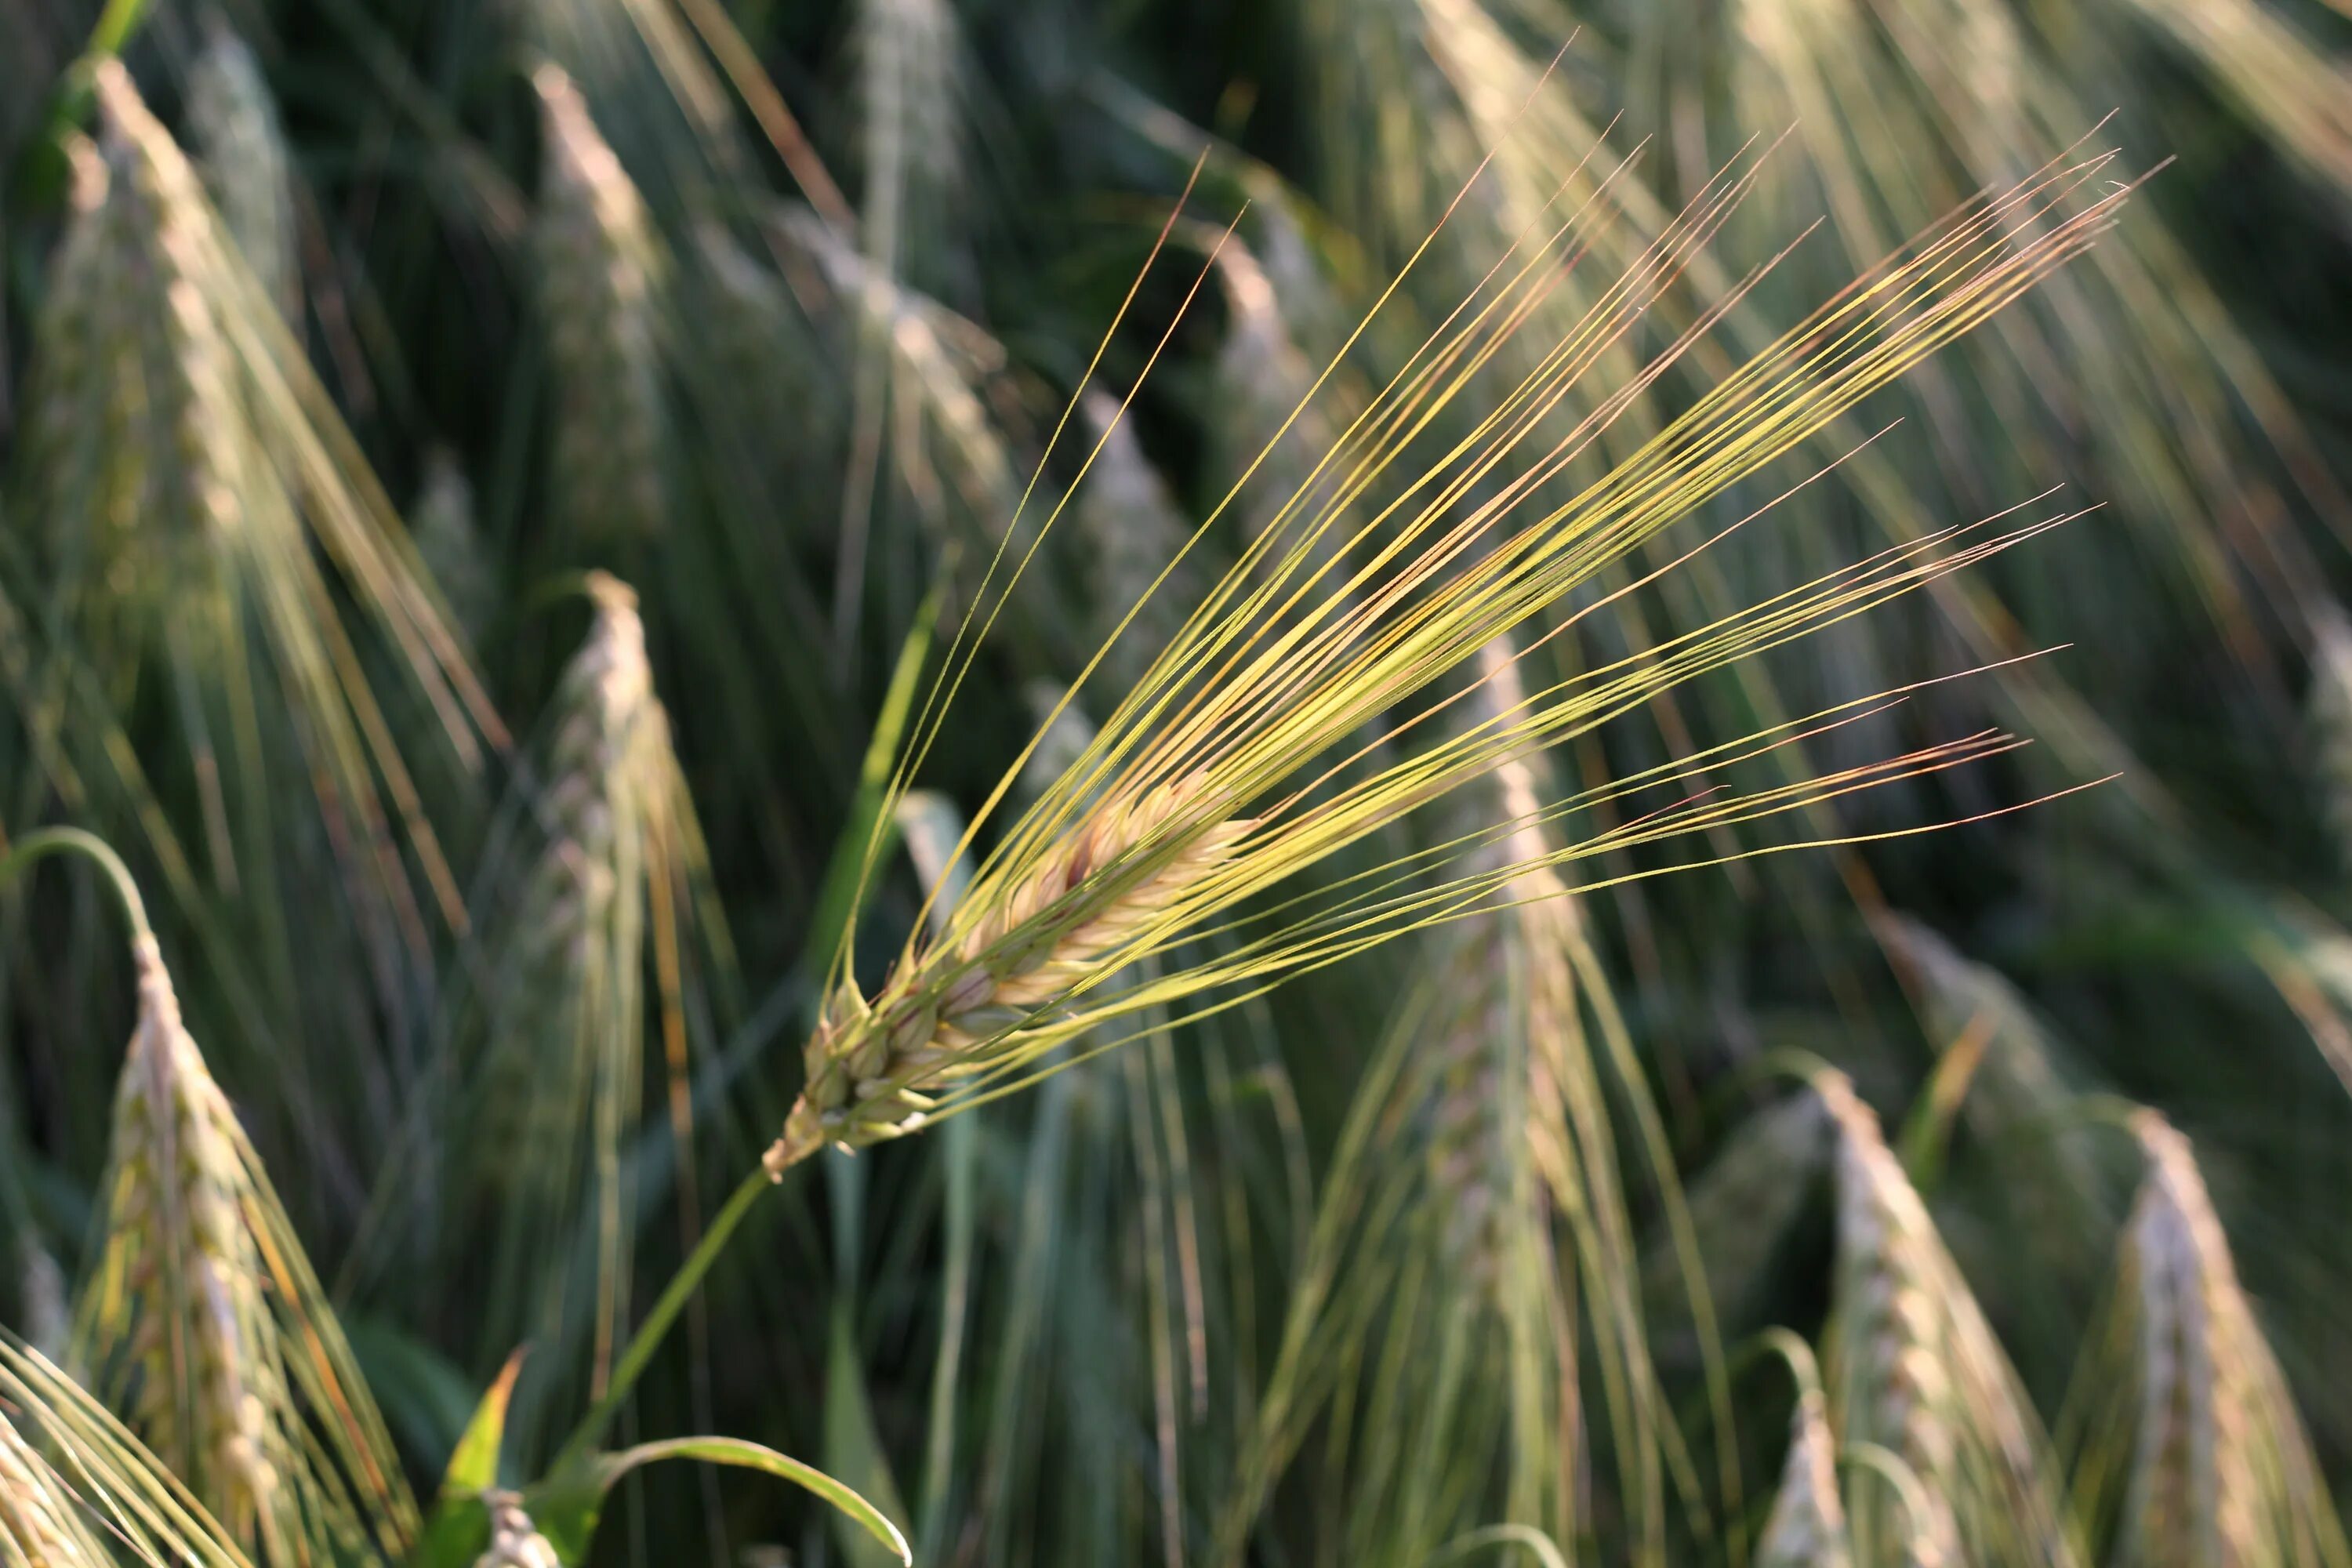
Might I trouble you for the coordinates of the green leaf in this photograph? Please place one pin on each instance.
(851, 1443)
(459, 1529)
(565, 1506)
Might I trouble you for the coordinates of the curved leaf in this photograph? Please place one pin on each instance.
(565, 1505)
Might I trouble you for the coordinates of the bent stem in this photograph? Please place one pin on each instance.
(47, 841)
(650, 1333)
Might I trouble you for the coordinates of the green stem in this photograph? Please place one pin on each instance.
(649, 1334)
(47, 841)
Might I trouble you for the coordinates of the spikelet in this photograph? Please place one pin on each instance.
(1806, 1528)
(601, 272)
(2221, 1475)
(872, 1065)
(204, 1325)
(1510, 1042)
(515, 1541)
(41, 1525)
(550, 1034)
(138, 440)
(242, 150)
(441, 520)
(1471, 1171)
(1916, 1370)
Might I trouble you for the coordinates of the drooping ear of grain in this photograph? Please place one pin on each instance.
(1806, 1528)
(241, 147)
(205, 1327)
(1915, 1370)
(601, 273)
(202, 524)
(1480, 1232)
(2220, 1471)
(1111, 878)
(607, 844)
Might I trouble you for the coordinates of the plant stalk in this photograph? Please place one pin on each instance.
(44, 842)
(650, 1333)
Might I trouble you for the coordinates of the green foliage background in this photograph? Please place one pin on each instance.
(784, 360)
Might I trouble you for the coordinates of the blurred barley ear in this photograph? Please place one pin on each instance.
(2212, 1460)
(1806, 1526)
(241, 147)
(611, 853)
(1915, 1371)
(1142, 579)
(600, 275)
(202, 1323)
(515, 1541)
(199, 518)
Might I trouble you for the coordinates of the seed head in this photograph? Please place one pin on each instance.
(872, 1065)
(600, 279)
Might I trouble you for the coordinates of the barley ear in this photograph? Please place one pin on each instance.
(601, 272)
(1915, 1370)
(985, 996)
(205, 1326)
(241, 148)
(1806, 1528)
(558, 1088)
(2220, 1471)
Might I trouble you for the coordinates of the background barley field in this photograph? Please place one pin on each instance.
(507, 520)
